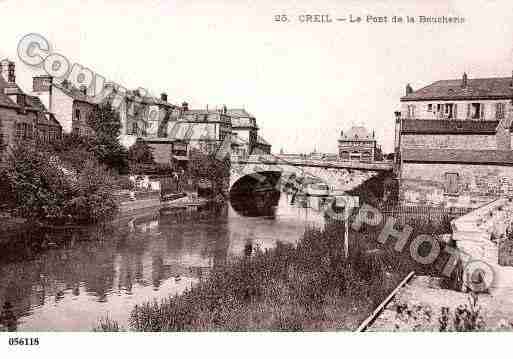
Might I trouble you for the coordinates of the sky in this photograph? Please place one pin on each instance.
(304, 82)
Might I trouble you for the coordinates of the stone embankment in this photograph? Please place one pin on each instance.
(477, 236)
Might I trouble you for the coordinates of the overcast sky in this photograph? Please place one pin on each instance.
(303, 82)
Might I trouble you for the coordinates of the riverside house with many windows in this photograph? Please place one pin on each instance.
(22, 117)
(71, 106)
(453, 142)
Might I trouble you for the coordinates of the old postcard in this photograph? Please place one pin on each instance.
(271, 166)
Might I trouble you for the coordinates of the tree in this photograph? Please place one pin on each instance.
(106, 124)
(140, 152)
(207, 166)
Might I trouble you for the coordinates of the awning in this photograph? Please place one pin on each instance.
(181, 158)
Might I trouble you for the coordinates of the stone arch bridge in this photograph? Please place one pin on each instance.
(255, 171)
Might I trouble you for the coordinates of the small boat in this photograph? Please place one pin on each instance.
(318, 189)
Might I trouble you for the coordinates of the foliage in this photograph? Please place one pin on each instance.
(59, 191)
(465, 318)
(106, 124)
(310, 286)
(140, 152)
(208, 167)
(106, 324)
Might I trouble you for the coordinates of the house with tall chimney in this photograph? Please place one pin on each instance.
(23, 118)
(453, 142)
(71, 106)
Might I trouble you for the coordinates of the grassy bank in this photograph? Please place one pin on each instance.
(310, 286)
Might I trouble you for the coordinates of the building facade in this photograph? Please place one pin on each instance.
(245, 130)
(453, 142)
(358, 144)
(72, 107)
(22, 117)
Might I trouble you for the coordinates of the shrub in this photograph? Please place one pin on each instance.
(51, 190)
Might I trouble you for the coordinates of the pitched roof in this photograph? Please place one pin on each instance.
(496, 157)
(241, 118)
(356, 133)
(239, 112)
(485, 88)
(262, 141)
(32, 102)
(448, 127)
(76, 94)
(4, 99)
(204, 116)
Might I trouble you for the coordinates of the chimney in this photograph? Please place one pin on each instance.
(185, 106)
(409, 89)
(163, 96)
(464, 82)
(7, 69)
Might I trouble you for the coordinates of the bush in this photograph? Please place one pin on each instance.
(52, 190)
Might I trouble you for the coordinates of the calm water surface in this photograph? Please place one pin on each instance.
(69, 280)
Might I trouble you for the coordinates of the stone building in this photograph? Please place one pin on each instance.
(262, 147)
(71, 106)
(358, 144)
(22, 117)
(453, 142)
(244, 127)
(145, 117)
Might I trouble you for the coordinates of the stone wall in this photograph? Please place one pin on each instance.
(426, 183)
(476, 235)
(466, 142)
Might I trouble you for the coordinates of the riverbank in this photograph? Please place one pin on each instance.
(418, 306)
(310, 286)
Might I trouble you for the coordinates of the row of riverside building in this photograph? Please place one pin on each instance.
(453, 142)
(55, 107)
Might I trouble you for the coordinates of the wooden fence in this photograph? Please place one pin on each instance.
(407, 214)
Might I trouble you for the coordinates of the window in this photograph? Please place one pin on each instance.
(451, 183)
(411, 111)
(23, 131)
(475, 111)
(500, 110)
(450, 110)
(77, 114)
(430, 107)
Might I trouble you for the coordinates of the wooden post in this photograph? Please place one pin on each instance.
(346, 231)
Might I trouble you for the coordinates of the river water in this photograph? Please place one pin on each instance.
(67, 281)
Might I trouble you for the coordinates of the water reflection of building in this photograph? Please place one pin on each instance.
(117, 263)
